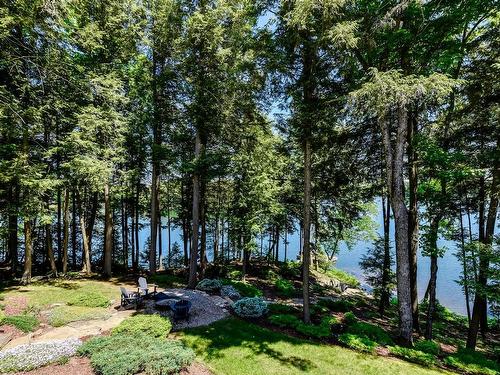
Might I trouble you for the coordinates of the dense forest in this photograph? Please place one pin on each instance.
(239, 120)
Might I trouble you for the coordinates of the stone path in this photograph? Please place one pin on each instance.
(75, 329)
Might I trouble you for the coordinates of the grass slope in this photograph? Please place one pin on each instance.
(232, 346)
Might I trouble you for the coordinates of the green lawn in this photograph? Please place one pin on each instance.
(236, 347)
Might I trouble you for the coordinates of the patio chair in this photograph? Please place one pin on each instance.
(181, 309)
(144, 287)
(130, 298)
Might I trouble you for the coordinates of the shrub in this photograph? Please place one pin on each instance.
(209, 285)
(284, 320)
(245, 289)
(124, 354)
(151, 325)
(291, 269)
(281, 308)
(25, 322)
(343, 277)
(427, 346)
(339, 305)
(284, 287)
(230, 292)
(235, 274)
(412, 355)
(324, 329)
(472, 362)
(88, 299)
(318, 309)
(62, 315)
(370, 331)
(250, 307)
(350, 318)
(31, 356)
(359, 343)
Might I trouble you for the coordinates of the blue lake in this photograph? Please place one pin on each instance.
(449, 292)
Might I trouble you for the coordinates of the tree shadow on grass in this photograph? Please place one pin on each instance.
(213, 340)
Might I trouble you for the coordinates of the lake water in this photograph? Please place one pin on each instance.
(449, 292)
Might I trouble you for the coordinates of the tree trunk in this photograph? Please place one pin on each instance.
(86, 265)
(65, 232)
(464, 265)
(395, 185)
(13, 228)
(94, 206)
(193, 261)
(73, 230)
(108, 232)
(50, 249)
(385, 294)
(203, 235)
(28, 252)
(480, 302)
(433, 251)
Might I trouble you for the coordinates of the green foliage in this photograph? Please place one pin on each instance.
(281, 308)
(250, 307)
(428, 346)
(344, 277)
(350, 318)
(317, 309)
(472, 362)
(312, 330)
(25, 322)
(414, 355)
(245, 289)
(127, 354)
(153, 325)
(370, 331)
(290, 269)
(62, 315)
(209, 285)
(359, 343)
(88, 299)
(166, 280)
(339, 305)
(285, 320)
(284, 287)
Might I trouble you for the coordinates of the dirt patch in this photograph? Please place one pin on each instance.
(196, 369)
(15, 305)
(11, 331)
(75, 366)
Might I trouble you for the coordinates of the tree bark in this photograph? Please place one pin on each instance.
(13, 228)
(193, 260)
(433, 250)
(86, 265)
(108, 232)
(385, 294)
(65, 232)
(50, 249)
(28, 252)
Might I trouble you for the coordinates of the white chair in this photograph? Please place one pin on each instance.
(144, 287)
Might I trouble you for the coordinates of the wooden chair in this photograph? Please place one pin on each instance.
(130, 298)
(144, 287)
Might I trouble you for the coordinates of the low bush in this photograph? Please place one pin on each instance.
(318, 309)
(209, 285)
(126, 354)
(344, 277)
(88, 299)
(284, 288)
(285, 320)
(230, 292)
(24, 322)
(291, 269)
(250, 307)
(359, 343)
(350, 318)
(31, 356)
(235, 275)
(472, 362)
(281, 308)
(152, 325)
(245, 289)
(62, 315)
(370, 331)
(412, 355)
(338, 305)
(428, 346)
(324, 329)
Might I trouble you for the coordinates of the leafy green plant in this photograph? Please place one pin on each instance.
(25, 322)
(281, 308)
(291, 269)
(343, 277)
(126, 354)
(235, 275)
(153, 325)
(359, 343)
(245, 289)
(350, 318)
(472, 362)
(88, 299)
(340, 305)
(284, 320)
(284, 287)
(427, 346)
(318, 309)
(312, 330)
(250, 307)
(370, 331)
(209, 285)
(415, 356)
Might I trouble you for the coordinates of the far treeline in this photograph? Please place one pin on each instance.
(239, 120)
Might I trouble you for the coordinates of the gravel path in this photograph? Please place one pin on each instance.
(205, 309)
